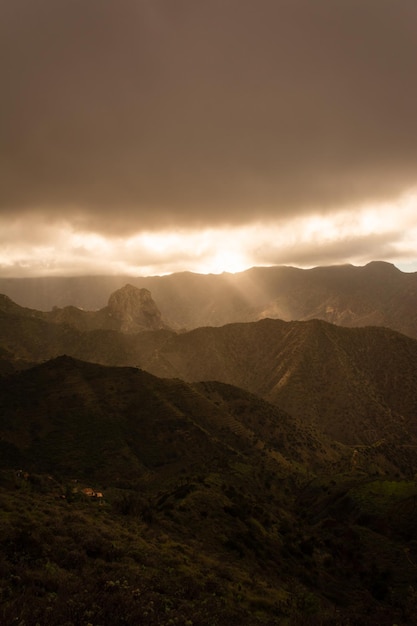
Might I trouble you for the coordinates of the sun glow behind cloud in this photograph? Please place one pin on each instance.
(208, 251)
(283, 130)
(384, 232)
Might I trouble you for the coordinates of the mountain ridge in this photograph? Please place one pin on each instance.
(375, 294)
(122, 420)
(313, 369)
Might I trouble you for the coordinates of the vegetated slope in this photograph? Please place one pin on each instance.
(218, 509)
(358, 385)
(377, 294)
(168, 459)
(80, 418)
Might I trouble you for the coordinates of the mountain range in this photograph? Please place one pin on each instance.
(358, 385)
(248, 470)
(377, 294)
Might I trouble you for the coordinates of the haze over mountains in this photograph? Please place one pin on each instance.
(129, 310)
(376, 294)
(258, 442)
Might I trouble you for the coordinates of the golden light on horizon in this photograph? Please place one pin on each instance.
(384, 231)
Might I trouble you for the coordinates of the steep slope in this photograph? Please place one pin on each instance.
(358, 385)
(134, 310)
(377, 294)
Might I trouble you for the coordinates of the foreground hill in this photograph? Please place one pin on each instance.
(127, 499)
(84, 419)
(377, 294)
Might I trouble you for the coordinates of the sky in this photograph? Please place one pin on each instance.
(147, 137)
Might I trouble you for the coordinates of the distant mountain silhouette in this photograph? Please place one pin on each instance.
(377, 294)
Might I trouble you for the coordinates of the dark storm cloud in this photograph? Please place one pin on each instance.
(144, 113)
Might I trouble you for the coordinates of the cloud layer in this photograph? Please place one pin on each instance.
(129, 116)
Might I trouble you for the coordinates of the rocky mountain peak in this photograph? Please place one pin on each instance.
(135, 309)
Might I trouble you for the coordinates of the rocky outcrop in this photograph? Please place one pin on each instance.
(134, 310)
(129, 310)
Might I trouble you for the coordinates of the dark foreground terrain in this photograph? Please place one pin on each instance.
(130, 499)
